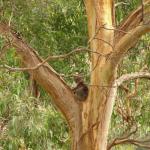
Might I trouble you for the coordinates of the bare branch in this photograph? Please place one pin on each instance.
(125, 88)
(82, 49)
(92, 38)
(122, 139)
(95, 36)
(140, 143)
(132, 76)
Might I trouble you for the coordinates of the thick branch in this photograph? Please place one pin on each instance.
(133, 20)
(137, 24)
(132, 76)
(46, 77)
(127, 41)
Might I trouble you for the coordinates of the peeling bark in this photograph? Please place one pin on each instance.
(88, 121)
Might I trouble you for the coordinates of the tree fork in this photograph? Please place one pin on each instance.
(88, 121)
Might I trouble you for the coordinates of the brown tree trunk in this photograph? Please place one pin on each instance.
(88, 121)
(96, 111)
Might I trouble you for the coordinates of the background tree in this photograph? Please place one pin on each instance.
(88, 121)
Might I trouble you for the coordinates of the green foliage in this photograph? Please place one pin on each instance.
(125, 7)
(135, 59)
(51, 27)
(56, 27)
(26, 121)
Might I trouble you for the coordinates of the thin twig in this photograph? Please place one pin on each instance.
(119, 140)
(119, 30)
(105, 42)
(52, 58)
(96, 64)
(93, 37)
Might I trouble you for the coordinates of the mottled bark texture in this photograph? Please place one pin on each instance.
(89, 120)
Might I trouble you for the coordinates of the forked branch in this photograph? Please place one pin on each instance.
(47, 77)
(128, 41)
(133, 20)
(112, 97)
(137, 24)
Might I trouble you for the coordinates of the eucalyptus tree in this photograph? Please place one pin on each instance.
(89, 120)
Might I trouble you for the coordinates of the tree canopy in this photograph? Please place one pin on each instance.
(58, 27)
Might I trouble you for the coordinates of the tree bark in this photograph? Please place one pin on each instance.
(97, 110)
(88, 121)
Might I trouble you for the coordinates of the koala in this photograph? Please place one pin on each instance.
(81, 90)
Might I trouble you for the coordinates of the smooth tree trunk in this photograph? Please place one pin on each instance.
(96, 111)
(89, 120)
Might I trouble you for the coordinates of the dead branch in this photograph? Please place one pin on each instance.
(127, 112)
(127, 90)
(115, 55)
(118, 82)
(92, 38)
(122, 113)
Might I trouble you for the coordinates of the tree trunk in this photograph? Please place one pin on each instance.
(96, 111)
(89, 120)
